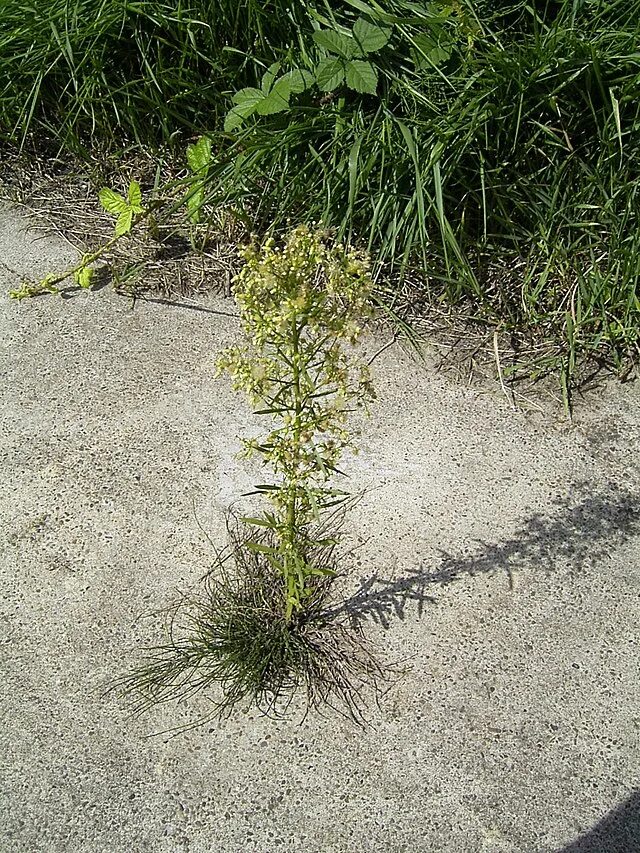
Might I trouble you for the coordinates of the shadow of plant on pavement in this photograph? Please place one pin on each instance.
(576, 531)
(617, 832)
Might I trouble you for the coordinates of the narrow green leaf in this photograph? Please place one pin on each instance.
(326, 572)
(259, 522)
(354, 154)
(277, 565)
(273, 411)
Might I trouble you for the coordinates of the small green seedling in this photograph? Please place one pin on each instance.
(128, 212)
(124, 209)
(199, 161)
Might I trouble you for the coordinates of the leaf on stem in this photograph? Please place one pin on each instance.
(335, 42)
(112, 201)
(124, 222)
(330, 74)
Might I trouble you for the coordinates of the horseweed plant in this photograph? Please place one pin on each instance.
(260, 629)
(299, 304)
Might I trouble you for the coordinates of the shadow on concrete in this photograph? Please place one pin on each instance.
(573, 535)
(618, 832)
(191, 306)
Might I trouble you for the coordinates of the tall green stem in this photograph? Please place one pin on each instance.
(294, 576)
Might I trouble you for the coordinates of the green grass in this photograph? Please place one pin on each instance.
(87, 72)
(231, 642)
(497, 165)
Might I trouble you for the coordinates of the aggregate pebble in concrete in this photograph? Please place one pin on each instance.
(505, 551)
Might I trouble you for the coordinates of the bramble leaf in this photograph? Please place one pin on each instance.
(330, 74)
(362, 77)
(112, 201)
(124, 222)
(248, 95)
(236, 115)
(370, 37)
(269, 76)
(432, 49)
(299, 80)
(277, 100)
(194, 203)
(134, 197)
(84, 277)
(335, 42)
(199, 154)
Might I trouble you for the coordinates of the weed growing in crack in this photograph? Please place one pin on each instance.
(261, 628)
(128, 212)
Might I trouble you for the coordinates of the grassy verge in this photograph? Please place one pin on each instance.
(494, 163)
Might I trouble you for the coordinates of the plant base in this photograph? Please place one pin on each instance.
(232, 639)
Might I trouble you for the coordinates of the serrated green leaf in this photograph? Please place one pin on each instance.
(134, 197)
(84, 277)
(362, 77)
(370, 37)
(123, 223)
(112, 201)
(330, 74)
(277, 100)
(194, 204)
(199, 154)
(269, 76)
(335, 42)
(232, 120)
(248, 95)
(236, 116)
(432, 49)
(300, 80)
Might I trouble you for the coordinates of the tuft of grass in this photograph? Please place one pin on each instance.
(231, 642)
(496, 165)
(147, 71)
(516, 148)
